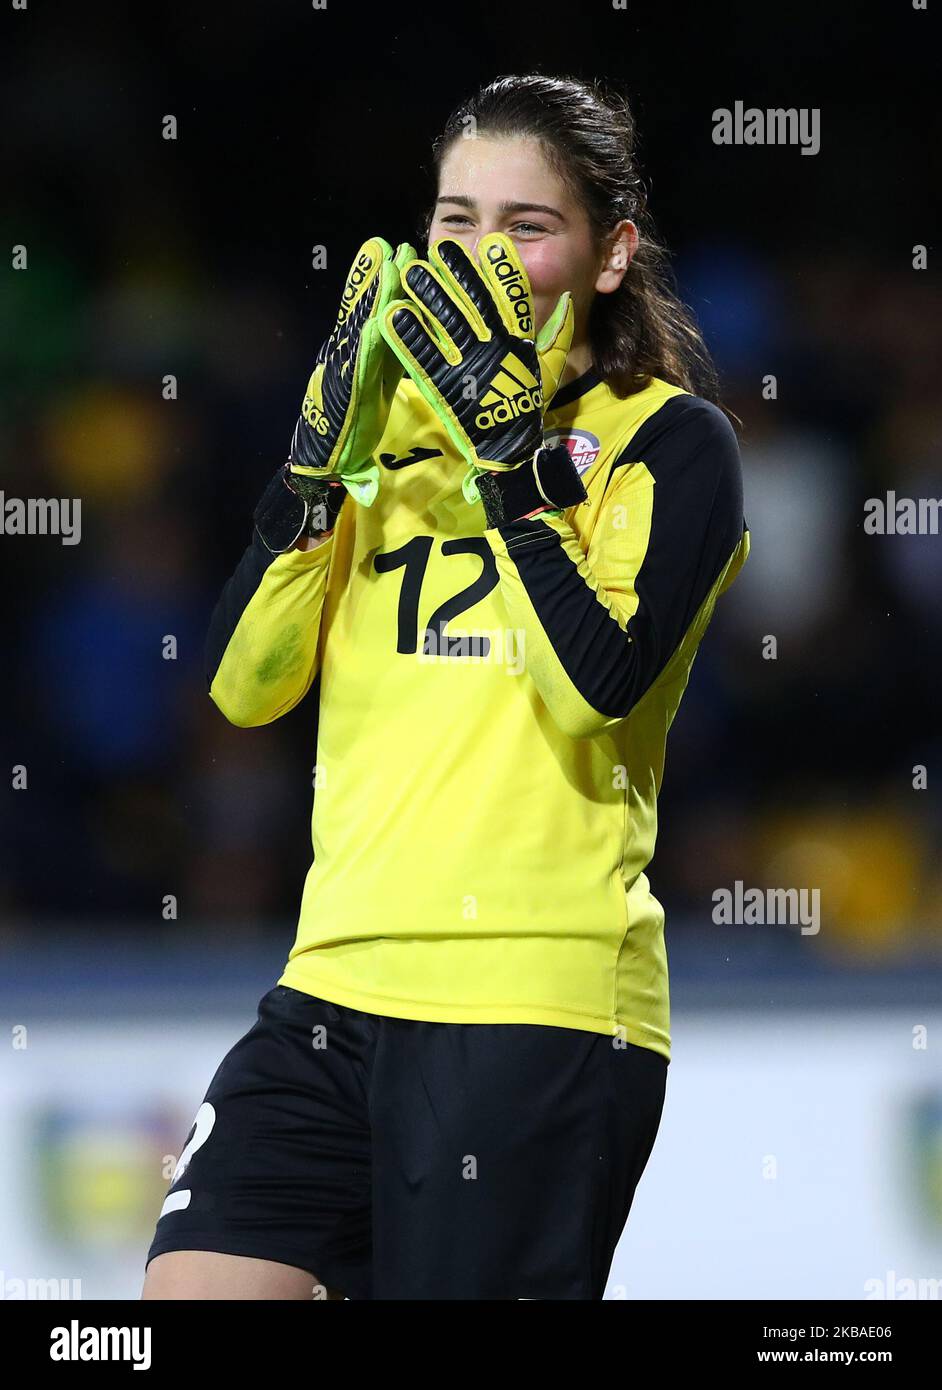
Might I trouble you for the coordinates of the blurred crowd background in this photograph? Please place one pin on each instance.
(191, 257)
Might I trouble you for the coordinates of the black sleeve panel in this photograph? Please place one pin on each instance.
(233, 602)
(690, 449)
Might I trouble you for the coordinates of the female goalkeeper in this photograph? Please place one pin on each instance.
(510, 506)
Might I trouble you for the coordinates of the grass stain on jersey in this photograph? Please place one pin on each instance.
(284, 658)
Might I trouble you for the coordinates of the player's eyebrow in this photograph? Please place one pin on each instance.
(464, 201)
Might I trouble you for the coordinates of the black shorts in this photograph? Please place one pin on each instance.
(398, 1159)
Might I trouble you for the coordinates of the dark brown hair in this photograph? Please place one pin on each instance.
(589, 137)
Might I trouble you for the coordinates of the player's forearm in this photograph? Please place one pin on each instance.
(261, 650)
(578, 651)
(312, 542)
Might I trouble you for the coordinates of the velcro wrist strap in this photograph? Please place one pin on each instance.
(547, 482)
(280, 514)
(283, 516)
(324, 501)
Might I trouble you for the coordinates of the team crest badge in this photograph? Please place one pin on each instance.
(583, 446)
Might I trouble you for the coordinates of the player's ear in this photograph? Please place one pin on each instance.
(620, 247)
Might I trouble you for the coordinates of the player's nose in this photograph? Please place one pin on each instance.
(484, 230)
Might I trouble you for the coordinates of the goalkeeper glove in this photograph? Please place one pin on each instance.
(466, 338)
(344, 411)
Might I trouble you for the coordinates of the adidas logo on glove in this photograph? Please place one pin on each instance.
(315, 417)
(507, 398)
(514, 284)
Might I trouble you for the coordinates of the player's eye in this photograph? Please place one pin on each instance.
(526, 228)
(454, 218)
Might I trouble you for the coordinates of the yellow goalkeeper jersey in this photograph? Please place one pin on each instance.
(494, 706)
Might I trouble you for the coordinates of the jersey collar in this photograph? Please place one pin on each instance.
(574, 389)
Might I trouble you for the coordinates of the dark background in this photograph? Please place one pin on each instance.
(192, 257)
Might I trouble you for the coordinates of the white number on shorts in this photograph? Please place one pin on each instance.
(202, 1129)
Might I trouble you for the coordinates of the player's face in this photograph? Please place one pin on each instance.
(490, 185)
